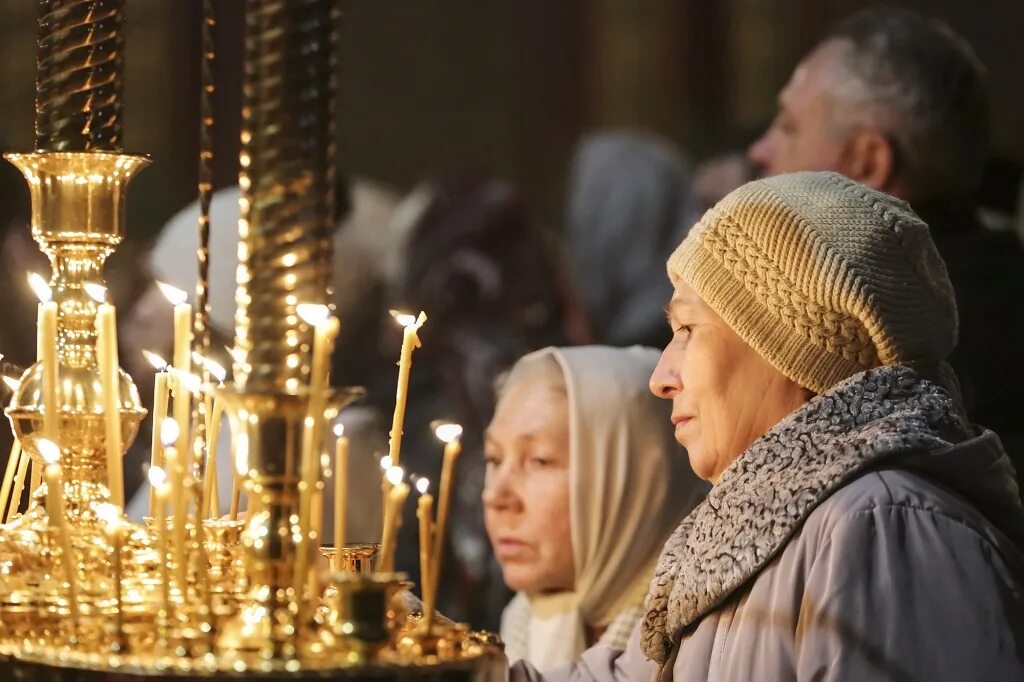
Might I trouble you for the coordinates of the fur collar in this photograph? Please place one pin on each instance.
(763, 497)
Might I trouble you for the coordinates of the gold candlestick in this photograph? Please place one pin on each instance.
(58, 521)
(110, 515)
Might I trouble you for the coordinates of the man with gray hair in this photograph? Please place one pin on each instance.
(900, 103)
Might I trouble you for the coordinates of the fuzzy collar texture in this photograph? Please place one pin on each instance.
(764, 496)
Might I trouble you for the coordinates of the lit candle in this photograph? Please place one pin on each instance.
(340, 494)
(13, 460)
(425, 514)
(158, 482)
(46, 355)
(410, 341)
(160, 397)
(50, 453)
(107, 363)
(182, 362)
(325, 331)
(392, 518)
(450, 434)
(169, 433)
(111, 516)
(19, 486)
(214, 413)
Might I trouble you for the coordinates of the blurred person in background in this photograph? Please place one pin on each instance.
(900, 103)
(630, 203)
(585, 481)
(494, 286)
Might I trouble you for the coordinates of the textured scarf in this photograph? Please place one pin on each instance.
(875, 417)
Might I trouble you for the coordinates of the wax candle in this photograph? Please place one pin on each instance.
(340, 494)
(210, 491)
(46, 350)
(19, 486)
(169, 432)
(410, 341)
(425, 514)
(159, 484)
(450, 434)
(182, 362)
(160, 396)
(113, 528)
(13, 459)
(50, 453)
(106, 346)
(392, 518)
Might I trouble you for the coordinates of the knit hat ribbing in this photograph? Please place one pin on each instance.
(822, 276)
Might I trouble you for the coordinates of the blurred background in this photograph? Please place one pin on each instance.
(504, 87)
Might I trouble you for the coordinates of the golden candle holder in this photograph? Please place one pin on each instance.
(355, 558)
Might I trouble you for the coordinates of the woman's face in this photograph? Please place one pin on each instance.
(724, 394)
(526, 494)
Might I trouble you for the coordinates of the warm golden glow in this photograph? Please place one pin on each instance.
(448, 432)
(169, 431)
(174, 295)
(48, 450)
(313, 313)
(40, 287)
(152, 358)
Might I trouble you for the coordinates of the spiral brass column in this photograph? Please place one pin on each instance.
(285, 258)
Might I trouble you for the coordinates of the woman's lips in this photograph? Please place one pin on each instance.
(510, 548)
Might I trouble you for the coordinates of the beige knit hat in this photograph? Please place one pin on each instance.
(822, 276)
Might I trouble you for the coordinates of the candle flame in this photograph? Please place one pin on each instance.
(448, 432)
(97, 292)
(313, 313)
(395, 475)
(385, 462)
(157, 477)
(48, 450)
(237, 354)
(174, 295)
(108, 513)
(408, 319)
(190, 382)
(169, 431)
(159, 364)
(12, 383)
(423, 485)
(40, 287)
(339, 430)
(215, 369)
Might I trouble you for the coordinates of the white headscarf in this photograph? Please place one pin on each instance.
(631, 484)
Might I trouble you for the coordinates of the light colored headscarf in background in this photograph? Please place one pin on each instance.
(631, 484)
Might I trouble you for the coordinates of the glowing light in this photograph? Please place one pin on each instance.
(108, 513)
(215, 369)
(423, 485)
(191, 382)
(313, 313)
(385, 462)
(152, 358)
(402, 318)
(97, 292)
(12, 383)
(157, 477)
(448, 432)
(339, 430)
(169, 431)
(48, 450)
(40, 287)
(395, 475)
(174, 295)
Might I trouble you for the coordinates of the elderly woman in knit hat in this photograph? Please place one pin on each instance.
(584, 484)
(858, 527)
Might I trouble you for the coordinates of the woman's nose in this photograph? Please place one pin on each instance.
(665, 381)
(498, 492)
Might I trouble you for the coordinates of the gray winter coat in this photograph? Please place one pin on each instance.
(871, 535)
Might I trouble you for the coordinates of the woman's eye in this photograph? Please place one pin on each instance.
(541, 462)
(686, 329)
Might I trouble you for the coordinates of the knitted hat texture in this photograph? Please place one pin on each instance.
(822, 276)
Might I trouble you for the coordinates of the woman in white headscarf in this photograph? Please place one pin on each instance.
(584, 483)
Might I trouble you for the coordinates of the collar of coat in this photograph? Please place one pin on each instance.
(764, 496)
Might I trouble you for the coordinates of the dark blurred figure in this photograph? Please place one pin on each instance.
(494, 287)
(630, 204)
(900, 103)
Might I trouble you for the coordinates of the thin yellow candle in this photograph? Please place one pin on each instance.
(50, 453)
(159, 484)
(410, 341)
(176, 472)
(340, 494)
(450, 434)
(182, 362)
(13, 460)
(425, 514)
(19, 486)
(392, 518)
(106, 347)
(160, 396)
(113, 527)
(46, 350)
(325, 331)
(210, 492)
